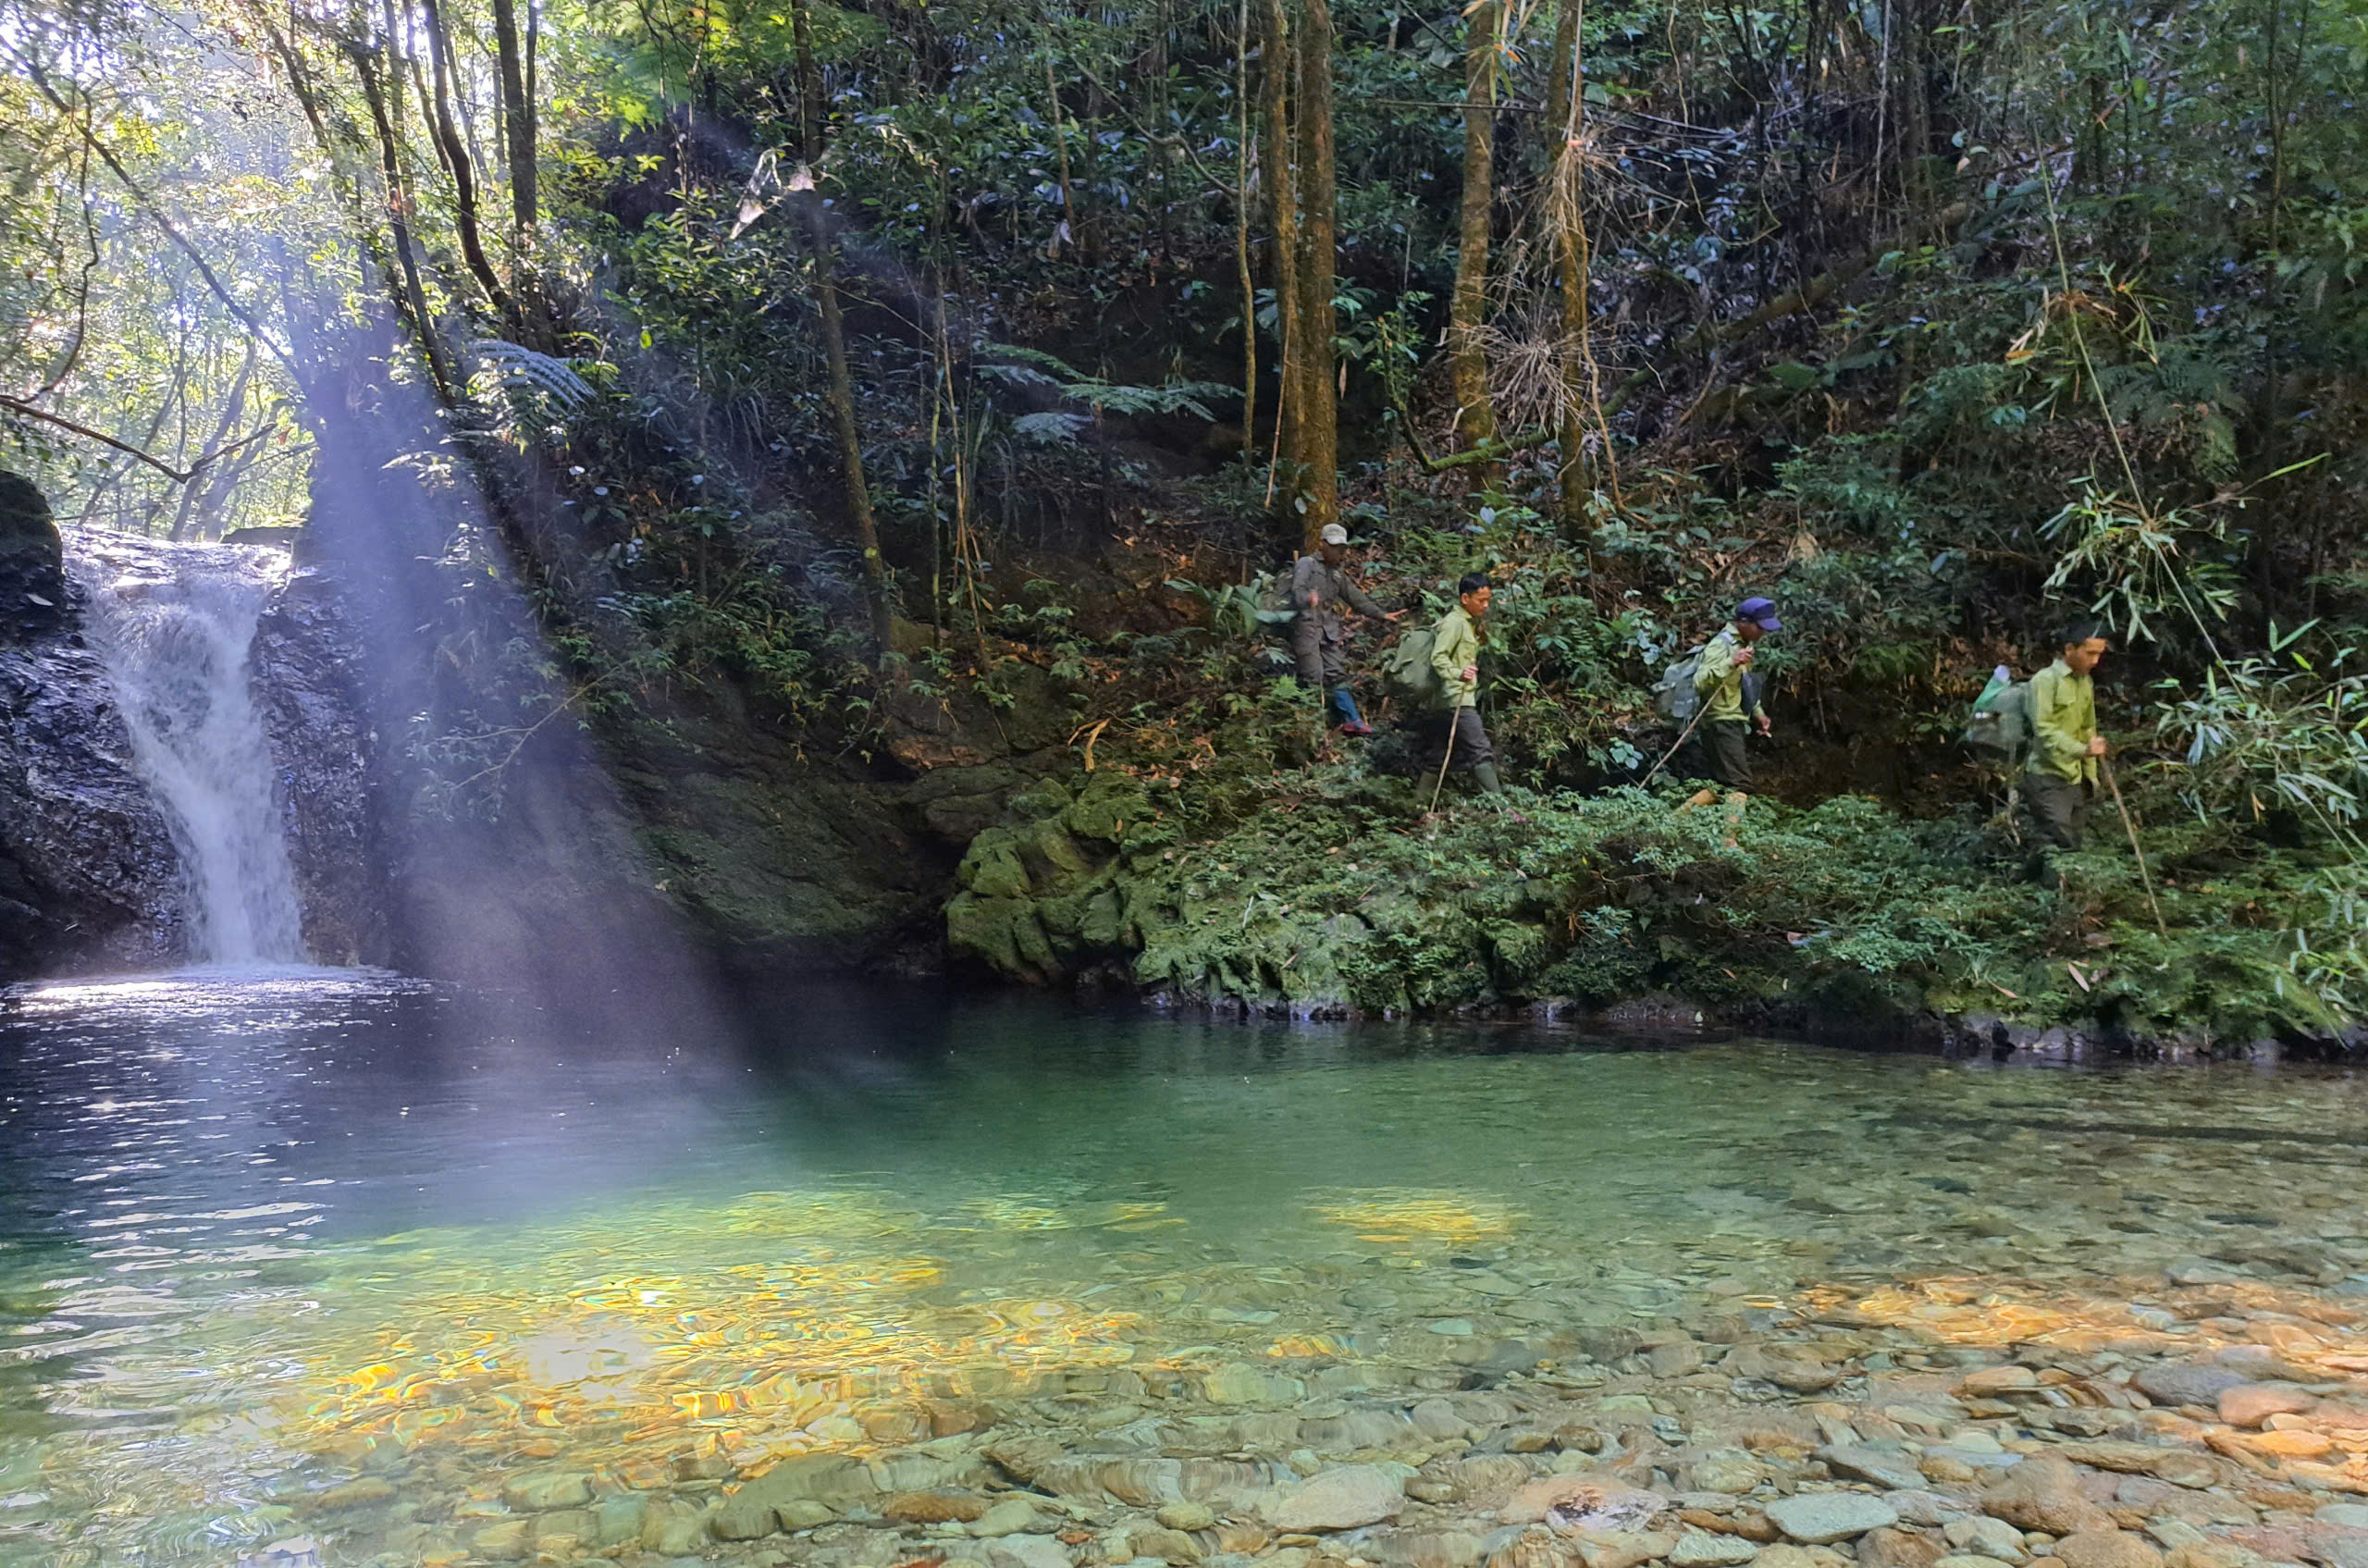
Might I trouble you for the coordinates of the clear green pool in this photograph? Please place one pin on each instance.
(328, 1254)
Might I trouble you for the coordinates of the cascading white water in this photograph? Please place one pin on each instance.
(176, 625)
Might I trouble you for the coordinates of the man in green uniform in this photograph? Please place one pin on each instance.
(2064, 744)
(1729, 712)
(1455, 658)
(1323, 595)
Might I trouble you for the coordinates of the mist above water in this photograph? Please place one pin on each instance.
(176, 625)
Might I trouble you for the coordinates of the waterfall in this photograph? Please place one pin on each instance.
(176, 625)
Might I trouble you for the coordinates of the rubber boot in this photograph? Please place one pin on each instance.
(1485, 774)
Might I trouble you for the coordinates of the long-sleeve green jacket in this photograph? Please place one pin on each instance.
(1719, 682)
(2064, 720)
(1455, 642)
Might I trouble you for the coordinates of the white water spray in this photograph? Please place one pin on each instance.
(176, 625)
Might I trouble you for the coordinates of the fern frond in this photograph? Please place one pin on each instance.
(1052, 429)
(515, 367)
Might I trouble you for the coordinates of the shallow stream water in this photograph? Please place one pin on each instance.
(330, 1254)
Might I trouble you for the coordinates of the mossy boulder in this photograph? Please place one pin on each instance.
(27, 529)
(1049, 892)
(992, 870)
(32, 577)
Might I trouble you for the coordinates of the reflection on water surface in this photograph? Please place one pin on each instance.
(329, 1251)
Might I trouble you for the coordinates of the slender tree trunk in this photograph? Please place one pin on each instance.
(1915, 113)
(1319, 455)
(456, 159)
(520, 130)
(534, 83)
(1282, 201)
(2273, 84)
(411, 297)
(2272, 87)
(1163, 149)
(1475, 418)
(518, 114)
(834, 341)
(1061, 153)
(1563, 111)
(2088, 165)
(115, 471)
(1241, 233)
(233, 408)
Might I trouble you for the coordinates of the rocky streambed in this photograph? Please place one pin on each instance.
(2217, 1418)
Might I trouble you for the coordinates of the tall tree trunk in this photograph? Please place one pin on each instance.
(1282, 201)
(520, 130)
(834, 340)
(2089, 171)
(534, 83)
(456, 160)
(1475, 419)
(1163, 149)
(518, 114)
(1319, 454)
(1915, 110)
(1564, 109)
(1061, 153)
(411, 300)
(1241, 233)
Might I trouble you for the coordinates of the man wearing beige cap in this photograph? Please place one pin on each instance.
(1324, 597)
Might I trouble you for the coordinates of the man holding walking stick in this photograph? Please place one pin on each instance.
(1455, 658)
(1731, 709)
(2066, 747)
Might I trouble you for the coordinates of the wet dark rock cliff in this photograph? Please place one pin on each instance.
(88, 875)
(779, 855)
(307, 663)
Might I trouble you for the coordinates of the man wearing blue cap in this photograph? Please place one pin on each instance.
(1729, 711)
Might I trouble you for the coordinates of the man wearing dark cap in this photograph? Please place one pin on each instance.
(1729, 711)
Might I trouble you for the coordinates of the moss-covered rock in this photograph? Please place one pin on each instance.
(1840, 915)
(1048, 893)
(992, 870)
(28, 532)
(33, 579)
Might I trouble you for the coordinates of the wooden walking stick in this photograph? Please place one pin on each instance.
(1701, 708)
(2145, 876)
(1448, 756)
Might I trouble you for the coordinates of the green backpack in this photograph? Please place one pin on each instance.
(1673, 694)
(1406, 671)
(2000, 726)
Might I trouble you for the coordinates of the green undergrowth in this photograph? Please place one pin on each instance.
(1341, 898)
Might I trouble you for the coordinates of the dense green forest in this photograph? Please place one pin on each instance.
(841, 357)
